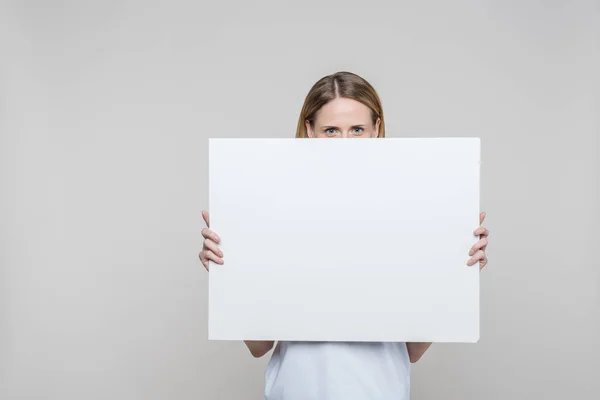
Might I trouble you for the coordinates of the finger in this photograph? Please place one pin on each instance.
(481, 217)
(479, 255)
(206, 217)
(481, 231)
(208, 255)
(213, 257)
(208, 234)
(212, 246)
(483, 263)
(479, 245)
(203, 259)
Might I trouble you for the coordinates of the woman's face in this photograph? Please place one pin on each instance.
(343, 118)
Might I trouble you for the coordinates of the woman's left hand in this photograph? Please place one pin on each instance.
(477, 252)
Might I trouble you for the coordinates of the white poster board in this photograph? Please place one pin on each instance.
(344, 240)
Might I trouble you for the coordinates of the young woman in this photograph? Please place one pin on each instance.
(342, 105)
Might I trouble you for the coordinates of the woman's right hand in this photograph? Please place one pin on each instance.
(210, 249)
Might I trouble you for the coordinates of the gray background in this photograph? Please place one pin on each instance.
(105, 111)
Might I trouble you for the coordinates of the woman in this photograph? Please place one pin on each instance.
(342, 105)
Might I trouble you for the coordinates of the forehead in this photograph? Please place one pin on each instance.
(343, 111)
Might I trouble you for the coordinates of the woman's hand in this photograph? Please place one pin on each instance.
(477, 252)
(210, 248)
(211, 251)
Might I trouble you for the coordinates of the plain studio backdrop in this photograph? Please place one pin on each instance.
(105, 112)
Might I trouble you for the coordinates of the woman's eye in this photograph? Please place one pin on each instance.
(330, 131)
(358, 130)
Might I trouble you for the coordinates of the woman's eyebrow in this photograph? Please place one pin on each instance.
(335, 127)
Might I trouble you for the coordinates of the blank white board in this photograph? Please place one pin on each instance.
(344, 240)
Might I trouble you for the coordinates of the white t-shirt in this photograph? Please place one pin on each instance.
(338, 371)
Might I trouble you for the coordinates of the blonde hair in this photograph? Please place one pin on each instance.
(345, 85)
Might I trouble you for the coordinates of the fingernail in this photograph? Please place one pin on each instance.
(217, 238)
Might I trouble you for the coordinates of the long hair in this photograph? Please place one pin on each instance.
(345, 85)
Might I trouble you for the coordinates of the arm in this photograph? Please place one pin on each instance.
(211, 252)
(416, 350)
(477, 253)
(259, 348)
